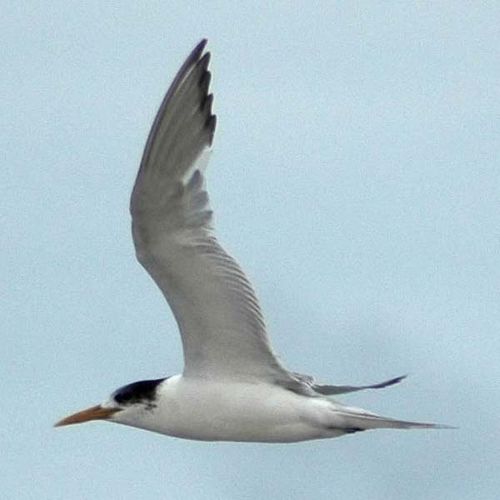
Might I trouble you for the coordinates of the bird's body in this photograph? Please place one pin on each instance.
(235, 411)
(233, 387)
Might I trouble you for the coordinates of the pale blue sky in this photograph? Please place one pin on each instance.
(355, 177)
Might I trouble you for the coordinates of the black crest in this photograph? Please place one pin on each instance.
(143, 391)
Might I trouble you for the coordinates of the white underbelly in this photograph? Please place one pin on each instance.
(235, 412)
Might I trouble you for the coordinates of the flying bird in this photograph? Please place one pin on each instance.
(233, 387)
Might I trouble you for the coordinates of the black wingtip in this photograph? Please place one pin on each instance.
(195, 56)
(211, 124)
(200, 46)
(387, 383)
(204, 82)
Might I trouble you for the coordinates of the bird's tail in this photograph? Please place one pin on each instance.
(355, 419)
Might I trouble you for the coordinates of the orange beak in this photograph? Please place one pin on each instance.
(94, 413)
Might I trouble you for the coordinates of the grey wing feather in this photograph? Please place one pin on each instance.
(218, 314)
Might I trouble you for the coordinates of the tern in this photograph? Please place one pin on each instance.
(233, 387)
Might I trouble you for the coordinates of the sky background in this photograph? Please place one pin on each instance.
(355, 177)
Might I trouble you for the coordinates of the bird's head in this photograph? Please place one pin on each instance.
(123, 406)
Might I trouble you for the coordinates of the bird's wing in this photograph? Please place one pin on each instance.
(330, 390)
(221, 324)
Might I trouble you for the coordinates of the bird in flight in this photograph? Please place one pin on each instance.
(233, 387)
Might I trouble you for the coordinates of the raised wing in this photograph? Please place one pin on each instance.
(222, 329)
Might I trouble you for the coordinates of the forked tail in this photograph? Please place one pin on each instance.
(354, 420)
